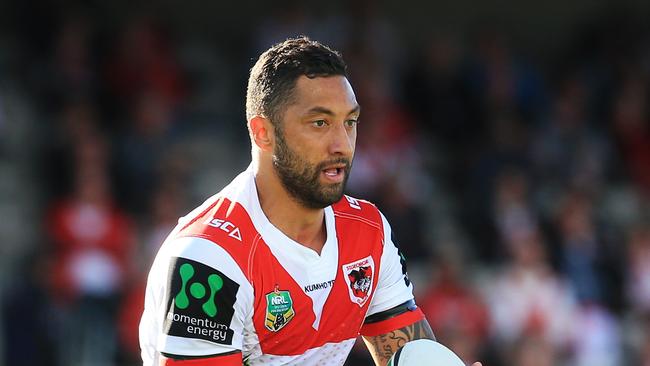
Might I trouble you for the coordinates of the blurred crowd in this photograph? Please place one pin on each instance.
(518, 187)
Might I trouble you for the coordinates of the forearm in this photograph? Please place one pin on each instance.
(383, 346)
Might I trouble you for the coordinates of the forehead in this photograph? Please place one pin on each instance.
(332, 92)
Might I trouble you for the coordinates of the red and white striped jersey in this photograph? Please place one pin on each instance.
(227, 280)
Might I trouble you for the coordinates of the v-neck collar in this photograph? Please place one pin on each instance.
(279, 241)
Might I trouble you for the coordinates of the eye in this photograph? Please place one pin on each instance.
(351, 123)
(319, 123)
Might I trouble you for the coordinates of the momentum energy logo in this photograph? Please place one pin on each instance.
(200, 302)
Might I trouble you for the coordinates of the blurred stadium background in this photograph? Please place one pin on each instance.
(508, 143)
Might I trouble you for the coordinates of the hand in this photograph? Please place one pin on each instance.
(477, 364)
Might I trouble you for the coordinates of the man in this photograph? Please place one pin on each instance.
(280, 268)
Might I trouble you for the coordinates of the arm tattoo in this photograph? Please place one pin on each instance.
(383, 346)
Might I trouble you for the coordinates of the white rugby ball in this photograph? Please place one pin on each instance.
(424, 352)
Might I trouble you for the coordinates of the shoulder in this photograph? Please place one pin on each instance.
(358, 211)
(225, 226)
(222, 224)
(197, 297)
(356, 208)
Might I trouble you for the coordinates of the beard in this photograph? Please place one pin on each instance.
(302, 179)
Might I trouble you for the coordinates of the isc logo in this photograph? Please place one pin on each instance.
(353, 202)
(227, 226)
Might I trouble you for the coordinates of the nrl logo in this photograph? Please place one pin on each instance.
(279, 309)
(359, 278)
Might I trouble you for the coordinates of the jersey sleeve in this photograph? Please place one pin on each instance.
(227, 359)
(394, 289)
(197, 302)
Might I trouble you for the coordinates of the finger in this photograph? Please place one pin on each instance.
(477, 364)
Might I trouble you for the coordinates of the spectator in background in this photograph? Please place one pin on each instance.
(597, 338)
(69, 73)
(581, 249)
(643, 347)
(74, 121)
(591, 261)
(436, 94)
(501, 79)
(513, 212)
(527, 298)
(144, 147)
(568, 150)
(3, 126)
(27, 316)
(372, 31)
(638, 293)
(454, 309)
(533, 350)
(166, 207)
(92, 243)
(143, 62)
(504, 94)
(638, 259)
(73, 57)
(287, 19)
(632, 131)
(503, 153)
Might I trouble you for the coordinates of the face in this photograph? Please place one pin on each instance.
(314, 145)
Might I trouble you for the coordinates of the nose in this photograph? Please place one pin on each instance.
(342, 140)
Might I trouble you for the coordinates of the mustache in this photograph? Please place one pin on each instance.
(346, 161)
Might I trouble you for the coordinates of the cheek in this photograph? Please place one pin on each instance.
(308, 154)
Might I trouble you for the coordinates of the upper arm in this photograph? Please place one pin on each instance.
(198, 302)
(383, 346)
(393, 318)
(393, 286)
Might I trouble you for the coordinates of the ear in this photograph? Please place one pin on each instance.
(261, 131)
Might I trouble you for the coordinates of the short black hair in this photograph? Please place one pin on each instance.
(273, 77)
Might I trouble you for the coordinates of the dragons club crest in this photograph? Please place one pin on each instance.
(359, 277)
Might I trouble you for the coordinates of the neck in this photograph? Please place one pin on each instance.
(304, 225)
